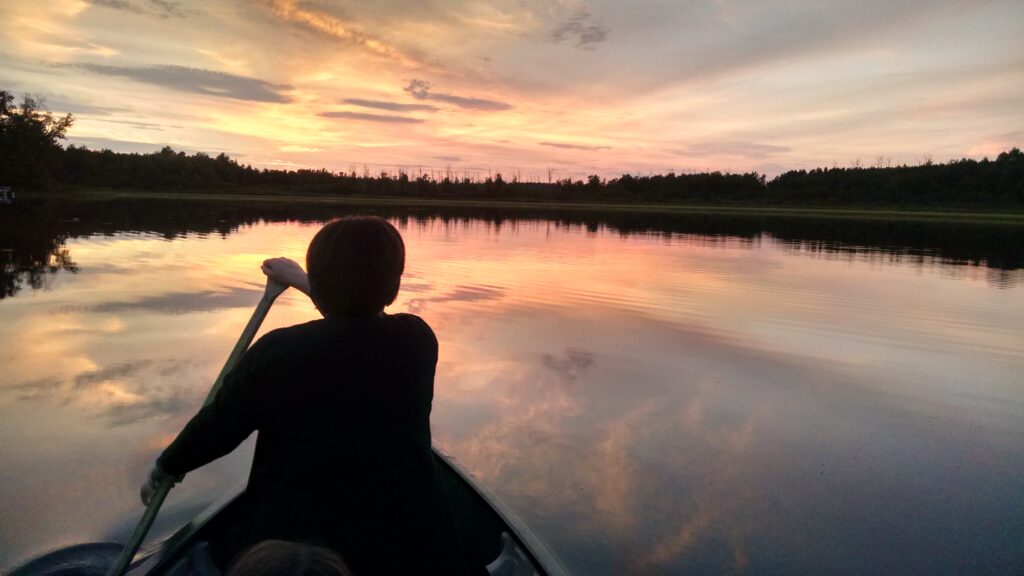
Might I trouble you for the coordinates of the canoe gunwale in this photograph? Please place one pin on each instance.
(543, 557)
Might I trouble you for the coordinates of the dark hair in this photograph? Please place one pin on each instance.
(355, 266)
(280, 558)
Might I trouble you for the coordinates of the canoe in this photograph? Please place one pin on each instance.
(495, 538)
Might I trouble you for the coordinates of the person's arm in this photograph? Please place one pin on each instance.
(221, 425)
(288, 272)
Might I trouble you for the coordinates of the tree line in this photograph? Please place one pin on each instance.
(31, 156)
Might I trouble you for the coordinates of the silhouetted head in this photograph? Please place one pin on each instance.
(355, 266)
(280, 558)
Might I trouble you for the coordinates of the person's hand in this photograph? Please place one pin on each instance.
(156, 477)
(288, 272)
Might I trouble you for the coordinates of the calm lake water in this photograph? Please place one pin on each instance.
(654, 394)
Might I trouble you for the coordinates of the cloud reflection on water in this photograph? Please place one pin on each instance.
(121, 394)
(457, 294)
(719, 456)
(185, 302)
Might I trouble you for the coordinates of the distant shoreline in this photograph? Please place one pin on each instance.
(950, 214)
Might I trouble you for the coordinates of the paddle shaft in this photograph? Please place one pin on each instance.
(270, 293)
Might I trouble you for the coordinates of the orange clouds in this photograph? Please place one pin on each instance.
(574, 88)
(291, 11)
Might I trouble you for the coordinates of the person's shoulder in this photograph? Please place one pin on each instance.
(297, 330)
(410, 320)
(281, 339)
(414, 324)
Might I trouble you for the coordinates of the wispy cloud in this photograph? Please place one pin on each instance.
(99, 143)
(63, 104)
(752, 150)
(118, 371)
(185, 302)
(576, 362)
(168, 7)
(472, 293)
(574, 146)
(133, 123)
(124, 5)
(330, 25)
(123, 393)
(196, 80)
(372, 117)
(720, 39)
(421, 90)
(37, 389)
(159, 8)
(992, 146)
(582, 29)
(392, 106)
(153, 406)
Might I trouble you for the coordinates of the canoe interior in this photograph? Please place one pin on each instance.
(480, 524)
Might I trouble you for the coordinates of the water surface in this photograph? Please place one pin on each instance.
(684, 394)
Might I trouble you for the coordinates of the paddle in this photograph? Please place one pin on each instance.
(270, 293)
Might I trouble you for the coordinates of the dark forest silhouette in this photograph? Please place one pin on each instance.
(31, 157)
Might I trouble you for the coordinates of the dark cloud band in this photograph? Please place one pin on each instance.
(392, 106)
(752, 150)
(197, 81)
(574, 146)
(421, 90)
(582, 29)
(160, 8)
(372, 117)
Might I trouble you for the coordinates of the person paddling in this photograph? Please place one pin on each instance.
(342, 405)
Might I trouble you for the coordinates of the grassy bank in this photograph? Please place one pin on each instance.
(950, 214)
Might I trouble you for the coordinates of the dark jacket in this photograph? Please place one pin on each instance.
(343, 456)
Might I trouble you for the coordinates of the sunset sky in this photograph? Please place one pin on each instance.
(567, 86)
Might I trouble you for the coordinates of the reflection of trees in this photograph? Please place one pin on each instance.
(33, 233)
(997, 248)
(32, 247)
